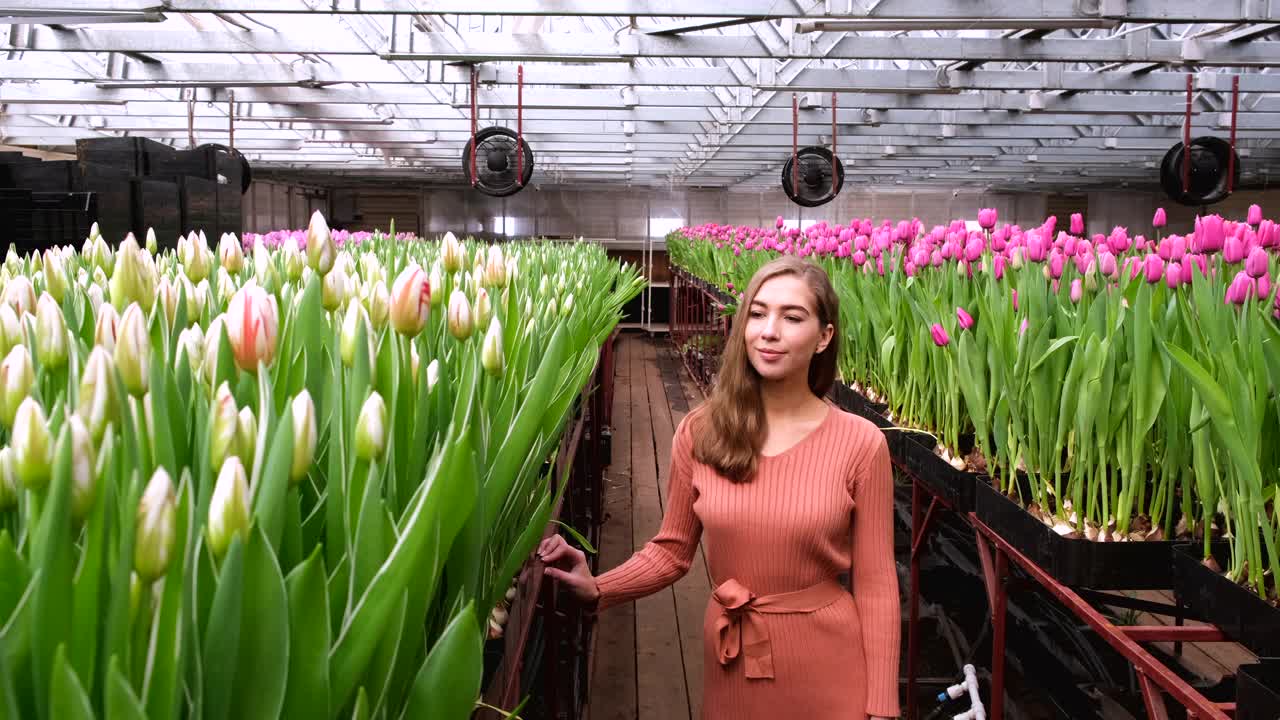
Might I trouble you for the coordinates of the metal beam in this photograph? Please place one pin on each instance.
(600, 47)
(1164, 11)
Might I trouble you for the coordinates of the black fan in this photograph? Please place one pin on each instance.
(821, 175)
(1211, 158)
(246, 173)
(497, 162)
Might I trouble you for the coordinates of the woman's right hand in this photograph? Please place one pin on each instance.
(568, 564)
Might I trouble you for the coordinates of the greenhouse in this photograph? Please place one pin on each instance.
(639, 360)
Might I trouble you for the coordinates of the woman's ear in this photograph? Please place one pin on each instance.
(827, 333)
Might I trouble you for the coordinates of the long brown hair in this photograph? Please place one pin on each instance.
(731, 428)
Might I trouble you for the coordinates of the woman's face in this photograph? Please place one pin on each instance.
(782, 333)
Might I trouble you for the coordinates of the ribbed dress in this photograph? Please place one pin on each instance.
(819, 509)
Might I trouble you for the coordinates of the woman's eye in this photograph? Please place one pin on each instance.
(756, 314)
(793, 318)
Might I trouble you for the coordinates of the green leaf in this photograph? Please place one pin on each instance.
(262, 661)
(67, 698)
(273, 487)
(165, 669)
(122, 703)
(307, 690)
(222, 639)
(586, 544)
(449, 682)
(52, 555)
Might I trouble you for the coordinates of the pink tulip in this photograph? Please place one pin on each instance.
(1077, 224)
(779, 222)
(1153, 266)
(253, 325)
(1119, 240)
(1070, 245)
(1263, 286)
(1256, 264)
(1267, 234)
(1255, 215)
(987, 218)
(1233, 250)
(964, 318)
(1187, 268)
(973, 249)
(1022, 329)
(939, 335)
(1057, 261)
(1107, 265)
(1173, 275)
(1160, 219)
(1015, 298)
(1177, 246)
(997, 266)
(1077, 290)
(859, 257)
(1036, 246)
(936, 259)
(1240, 288)
(1210, 233)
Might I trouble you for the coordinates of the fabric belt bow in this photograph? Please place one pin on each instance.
(741, 631)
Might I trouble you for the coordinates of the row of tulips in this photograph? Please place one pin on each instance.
(289, 483)
(1133, 379)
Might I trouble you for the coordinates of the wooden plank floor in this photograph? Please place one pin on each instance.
(648, 657)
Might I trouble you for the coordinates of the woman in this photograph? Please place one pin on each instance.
(787, 492)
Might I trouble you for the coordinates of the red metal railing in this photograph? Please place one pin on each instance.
(699, 325)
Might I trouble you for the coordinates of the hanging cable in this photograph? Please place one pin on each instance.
(474, 113)
(520, 126)
(835, 159)
(795, 144)
(231, 119)
(1186, 142)
(1231, 159)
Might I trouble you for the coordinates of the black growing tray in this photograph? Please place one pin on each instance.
(914, 452)
(1076, 562)
(1258, 691)
(1238, 611)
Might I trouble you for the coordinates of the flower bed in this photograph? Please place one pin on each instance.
(1131, 379)
(292, 481)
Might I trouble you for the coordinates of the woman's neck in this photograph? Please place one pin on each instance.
(788, 398)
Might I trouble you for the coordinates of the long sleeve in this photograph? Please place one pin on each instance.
(667, 557)
(875, 576)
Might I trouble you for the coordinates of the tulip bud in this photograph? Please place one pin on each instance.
(94, 232)
(230, 253)
(333, 289)
(222, 427)
(378, 302)
(320, 248)
(351, 322)
(567, 310)
(459, 316)
(133, 351)
(491, 357)
(253, 324)
(939, 334)
(10, 490)
(133, 279)
(483, 308)
(167, 297)
(1076, 291)
(32, 445)
(433, 374)
(371, 429)
(17, 377)
(305, 435)
(451, 253)
(51, 333)
(83, 485)
(410, 301)
(414, 364)
(495, 267)
(97, 398)
(55, 274)
(107, 327)
(1254, 215)
(1256, 263)
(153, 246)
(964, 319)
(246, 435)
(20, 295)
(228, 508)
(295, 261)
(436, 282)
(10, 328)
(153, 543)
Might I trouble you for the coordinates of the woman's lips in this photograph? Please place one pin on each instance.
(770, 355)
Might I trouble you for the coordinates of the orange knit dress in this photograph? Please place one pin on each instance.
(779, 641)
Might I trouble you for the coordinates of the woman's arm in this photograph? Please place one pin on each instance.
(667, 557)
(875, 577)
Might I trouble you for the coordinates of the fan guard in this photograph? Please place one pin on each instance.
(246, 172)
(1210, 159)
(496, 162)
(820, 174)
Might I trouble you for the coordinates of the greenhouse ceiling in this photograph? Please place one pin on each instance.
(1005, 94)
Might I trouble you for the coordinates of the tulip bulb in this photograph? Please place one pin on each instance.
(154, 540)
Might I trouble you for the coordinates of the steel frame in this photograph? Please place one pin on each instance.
(715, 84)
(997, 557)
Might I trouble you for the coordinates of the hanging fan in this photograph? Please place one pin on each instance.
(813, 175)
(497, 161)
(246, 172)
(497, 167)
(1205, 170)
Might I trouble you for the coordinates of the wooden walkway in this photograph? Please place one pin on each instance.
(647, 658)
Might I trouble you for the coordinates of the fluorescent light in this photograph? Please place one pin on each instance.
(888, 24)
(920, 90)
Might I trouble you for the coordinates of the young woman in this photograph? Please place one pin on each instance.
(787, 492)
